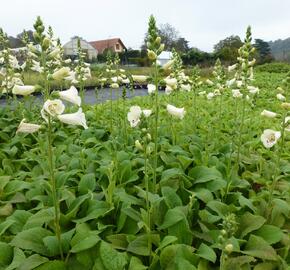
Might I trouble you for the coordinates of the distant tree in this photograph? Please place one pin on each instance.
(29, 34)
(195, 56)
(181, 45)
(263, 51)
(227, 49)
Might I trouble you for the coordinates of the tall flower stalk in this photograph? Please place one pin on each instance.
(154, 48)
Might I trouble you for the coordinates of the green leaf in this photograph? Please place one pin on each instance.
(203, 174)
(32, 239)
(259, 248)
(87, 183)
(52, 265)
(32, 262)
(206, 252)
(167, 240)
(136, 264)
(18, 258)
(249, 222)
(172, 217)
(140, 245)
(112, 259)
(171, 198)
(85, 243)
(6, 254)
(41, 217)
(52, 245)
(238, 262)
(270, 233)
(19, 218)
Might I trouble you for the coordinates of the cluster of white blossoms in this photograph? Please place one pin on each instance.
(54, 109)
(270, 137)
(135, 114)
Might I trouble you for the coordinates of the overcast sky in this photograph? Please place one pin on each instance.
(202, 22)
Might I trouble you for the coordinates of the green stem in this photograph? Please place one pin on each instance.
(54, 188)
(155, 129)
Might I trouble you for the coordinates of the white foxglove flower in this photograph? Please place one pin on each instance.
(236, 93)
(138, 145)
(270, 137)
(217, 92)
(134, 115)
(185, 87)
(55, 52)
(151, 88)
(139, 78)
(176, 112)
(168, 65)
(52, 107)
(285, 105)
(78, 118)
(268, 114)
(114, 86)
(281, 97)
(168, 90)
(114, 79)
(61, 73)
(209, 82)
(172, 82)
(71, 95)
(146, 113)
(202, 93)
(72, 77)
(210, 95)
(287, 119)
(27, 127)
(36, 66)
(23, 90)
(67, 61)
(126, 81)
(232, 67)
(230, 82)
(253, 90)
(251, 63)
(239, 84)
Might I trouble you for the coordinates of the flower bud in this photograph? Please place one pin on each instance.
(285, 105)
(138, 145)
(229, 248)
(151, 55)
(45, 43)
(161, 48)
(158, 41)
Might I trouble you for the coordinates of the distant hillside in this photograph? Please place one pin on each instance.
(281, 49)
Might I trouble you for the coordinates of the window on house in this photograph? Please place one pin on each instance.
(117, 47)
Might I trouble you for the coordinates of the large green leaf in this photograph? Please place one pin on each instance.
(6, 254)
(136, 264)
(249, 222)
(53, 265)
(32, 239)
(259, 248)
(140, 245)
(171, 198)
(83, 243)
(32, 262)
(87, 183)
(112, 259)
(206, 252)
(18, 258)
(270, 233)
(202, 174)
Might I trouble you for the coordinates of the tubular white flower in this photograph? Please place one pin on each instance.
(281, 97)
(168, 90)
(52, 107)
(139, 78)
(114, 79)
(172, 82)
(151, 88)
(71, 95)
(126, 81)
(176, 112)
(72, 77)
(230, 82)
(236, 93)
(77, 119)
(268, 114)
(134, 115)
(253, 89)
(202, 93)
(217, 92)
(168, 65)
(114, 86)
(239, 84)
(270, 137)
(186, 87)
(209, 82)
(61, 73)
(23, 90)
(210, 95)
(146, 113)
(232, 67)
(27, 127)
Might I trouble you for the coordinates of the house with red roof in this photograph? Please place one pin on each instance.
(114, 44)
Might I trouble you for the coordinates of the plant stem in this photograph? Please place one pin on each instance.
(155, 128)
(54, 188)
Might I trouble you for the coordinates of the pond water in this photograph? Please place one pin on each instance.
(93, 96)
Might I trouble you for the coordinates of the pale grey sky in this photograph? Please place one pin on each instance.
(202, 22)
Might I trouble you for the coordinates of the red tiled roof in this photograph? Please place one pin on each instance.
(101, 45)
